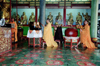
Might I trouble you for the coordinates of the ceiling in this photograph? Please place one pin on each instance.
(59, 2)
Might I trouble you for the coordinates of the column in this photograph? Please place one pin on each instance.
(36, 13)
(42, 12)
(10, 10)
(94, 19)
(64, 13)
(64, 16)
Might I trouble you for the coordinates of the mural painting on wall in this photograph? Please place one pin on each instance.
(50, 17)
(78, 19)
(59, 19)
(32, 18)
(23, 19)
(70, 20)
(86, 17)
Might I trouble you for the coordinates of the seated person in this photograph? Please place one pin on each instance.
(85, 36)
(58, 33)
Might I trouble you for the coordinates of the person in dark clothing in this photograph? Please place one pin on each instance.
(58, 34)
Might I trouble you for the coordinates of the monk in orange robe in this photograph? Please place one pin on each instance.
(14, 30)
(85, 36)
(48, 36)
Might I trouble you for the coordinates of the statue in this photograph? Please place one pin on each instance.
(70, 20)
(14, 15)
(50, 17)
(32, 17)
(59, 19)
(18, 17)
(79, 19)
(87, 17)
(38, 25)
(24, 18)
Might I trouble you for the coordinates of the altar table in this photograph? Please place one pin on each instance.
(34, 38)
(5, 40)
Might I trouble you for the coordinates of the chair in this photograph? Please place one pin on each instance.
(44, 43)
(71, 40)
(58, 42)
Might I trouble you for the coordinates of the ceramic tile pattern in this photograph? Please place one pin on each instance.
(51, 57)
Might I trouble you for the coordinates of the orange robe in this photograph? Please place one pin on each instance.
(85, 37)
(14, 30)
(48, 36)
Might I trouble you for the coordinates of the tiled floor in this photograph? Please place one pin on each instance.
(51, 57)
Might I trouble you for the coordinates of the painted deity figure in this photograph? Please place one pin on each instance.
(24, 18)
(50, 17)
(59, 19)
(87, 17)
(32, 17)
(79, 19)
(70, 20)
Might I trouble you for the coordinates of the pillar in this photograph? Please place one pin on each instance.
(94, 19)
(36, 13)
(42, 12)
(64, 13)
(10, 10)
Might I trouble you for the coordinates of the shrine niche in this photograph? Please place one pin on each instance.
(5, 11)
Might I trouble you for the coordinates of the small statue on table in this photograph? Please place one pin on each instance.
(32, 18)
(50, 17)
(79, 19)
(59, 19)
(87, 17)
(24, 18)
(70, 20)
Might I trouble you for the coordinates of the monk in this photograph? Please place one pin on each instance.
(48, 36)
(14, 30)
(85, 36)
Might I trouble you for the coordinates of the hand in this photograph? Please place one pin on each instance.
(81, 30)
(43, 25)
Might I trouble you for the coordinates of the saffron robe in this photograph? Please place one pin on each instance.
(85, 37)
(48, 36)
(14, 30)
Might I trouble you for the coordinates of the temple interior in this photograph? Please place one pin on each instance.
(49, 32)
